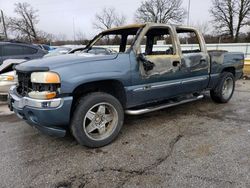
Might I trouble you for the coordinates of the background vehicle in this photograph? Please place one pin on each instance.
(98, 51)
(16, 50)
(7, 80)
(89, 95)
(59, 51)
(7, 65)
(45, 47)
(8, 77)
(82, 50)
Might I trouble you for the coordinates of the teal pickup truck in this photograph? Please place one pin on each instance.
(88, 94)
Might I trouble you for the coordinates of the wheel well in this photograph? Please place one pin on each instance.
(229, 69)
(112, 87)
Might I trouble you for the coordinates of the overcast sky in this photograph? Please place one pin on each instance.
(56, 16)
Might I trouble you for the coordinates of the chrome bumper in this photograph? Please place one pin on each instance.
(21, 102)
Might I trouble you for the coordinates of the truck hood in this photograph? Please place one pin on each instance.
(61, 61)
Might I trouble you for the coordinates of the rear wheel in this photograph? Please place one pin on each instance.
(223, 92)
(97, 120)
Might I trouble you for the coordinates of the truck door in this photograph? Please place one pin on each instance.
(194, 59)
(158, 72)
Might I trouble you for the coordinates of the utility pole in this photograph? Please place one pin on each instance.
(4, 26)
(188, 18)
(74, 30)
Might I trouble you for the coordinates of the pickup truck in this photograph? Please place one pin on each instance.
(89, 96)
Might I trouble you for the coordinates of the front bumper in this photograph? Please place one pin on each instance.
(51, 117)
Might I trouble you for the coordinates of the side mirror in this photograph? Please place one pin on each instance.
(148, 65)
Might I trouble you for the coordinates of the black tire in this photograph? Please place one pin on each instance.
(217, 93)
(80, 117)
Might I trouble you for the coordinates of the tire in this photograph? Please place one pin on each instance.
(224, 90)
(97, 120)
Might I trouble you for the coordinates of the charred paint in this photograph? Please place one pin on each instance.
(163, 64)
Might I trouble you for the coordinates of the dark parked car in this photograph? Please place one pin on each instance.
(89, 95)
(17, 50)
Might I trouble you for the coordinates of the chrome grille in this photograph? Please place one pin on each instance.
(24, 83)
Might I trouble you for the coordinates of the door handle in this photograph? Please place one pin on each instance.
(203, 60)
(176, 63)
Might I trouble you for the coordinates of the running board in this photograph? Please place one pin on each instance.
(155, 108)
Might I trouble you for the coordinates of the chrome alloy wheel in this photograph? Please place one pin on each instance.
(227, 88)
(100, 121)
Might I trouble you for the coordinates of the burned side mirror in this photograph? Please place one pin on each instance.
(148, 65)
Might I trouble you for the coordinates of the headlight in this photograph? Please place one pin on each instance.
(45, 85)
(6, 78)
(45, 78)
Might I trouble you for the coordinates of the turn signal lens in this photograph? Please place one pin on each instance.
(44, 95)
(45, 78)
(50, 95)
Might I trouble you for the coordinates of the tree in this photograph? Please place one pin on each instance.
(230, 16)
(203, 27)
(80, 36)
(25, 24)
(108, 18)
(160, 11)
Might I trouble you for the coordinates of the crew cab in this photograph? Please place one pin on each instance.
(90, 95)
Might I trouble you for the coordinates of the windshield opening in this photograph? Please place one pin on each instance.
(116, 41)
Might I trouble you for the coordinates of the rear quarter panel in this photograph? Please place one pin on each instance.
(221, 60)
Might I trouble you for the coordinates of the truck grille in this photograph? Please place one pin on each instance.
(24, 83)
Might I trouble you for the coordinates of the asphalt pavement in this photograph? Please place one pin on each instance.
(199, 144)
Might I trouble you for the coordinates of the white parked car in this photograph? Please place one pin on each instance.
(8, 77)
(7, 80)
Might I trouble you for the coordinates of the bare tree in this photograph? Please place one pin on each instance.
(107, 19)
(25, 24)
(203, 27)
(247, 39)
(160, 11)
(61, 37)
(45, 37)
(230, 16)
(81, 37)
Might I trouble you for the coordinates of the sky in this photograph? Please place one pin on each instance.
(64, 17)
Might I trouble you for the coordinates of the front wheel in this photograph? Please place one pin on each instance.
(97, 120)
(223, 92)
